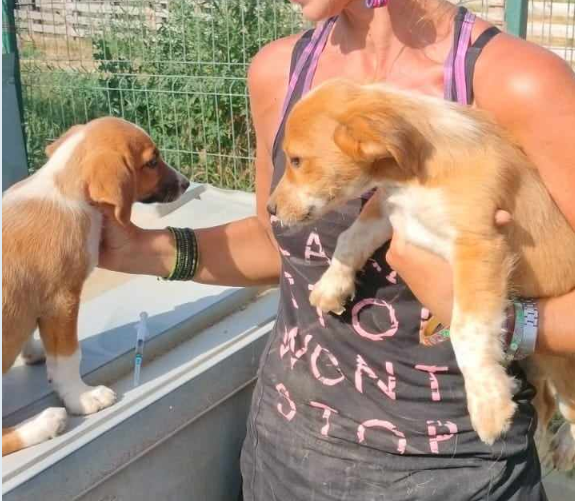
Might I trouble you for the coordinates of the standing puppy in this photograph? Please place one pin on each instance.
(51, 227)
(443, 170)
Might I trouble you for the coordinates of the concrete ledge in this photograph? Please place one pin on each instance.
(106, 323)
(179, 316)
(185, 386)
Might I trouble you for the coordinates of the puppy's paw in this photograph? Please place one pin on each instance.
(52, 421)
(89, 400)
(491, 406)
(44, 426)
(33, 352)
(333, 290)
(562, 449)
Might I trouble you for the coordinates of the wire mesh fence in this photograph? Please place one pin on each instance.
(551, 23)
(175, 67)
(178, 69)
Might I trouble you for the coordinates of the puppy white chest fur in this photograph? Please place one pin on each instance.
(421, 216)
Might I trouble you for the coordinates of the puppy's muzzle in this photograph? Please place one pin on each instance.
(171, 188)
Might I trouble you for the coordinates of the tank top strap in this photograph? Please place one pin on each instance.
(306, 63)
(455, 85)
(460, 64)
(305, 57)
(473, 54)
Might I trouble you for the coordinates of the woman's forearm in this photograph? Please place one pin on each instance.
(556, 333)
(240, 253)
(556, 330)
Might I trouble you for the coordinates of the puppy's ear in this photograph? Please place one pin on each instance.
(52, 147)
(372, 136)
(356, 137)
(110, 181)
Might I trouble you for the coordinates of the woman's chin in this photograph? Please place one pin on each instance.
(318, 10)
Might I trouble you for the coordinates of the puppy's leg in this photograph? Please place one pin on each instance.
(562, 448)
(544, 402)
(481, 268)
(36, 430)
(545, 405)
(33, 352)
(63, 355)
(354, 247)
(17, 327)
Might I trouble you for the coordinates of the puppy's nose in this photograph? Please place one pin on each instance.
(272, 208)
(184, 184)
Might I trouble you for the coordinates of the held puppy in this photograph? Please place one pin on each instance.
(443, 171)
(51, 225)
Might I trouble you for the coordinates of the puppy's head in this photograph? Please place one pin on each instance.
(119, 164)
(341, 140)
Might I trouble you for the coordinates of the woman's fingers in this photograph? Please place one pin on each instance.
(502, 217)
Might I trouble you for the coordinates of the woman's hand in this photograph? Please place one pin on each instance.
(116, 244)
(131, 249)
(427, 275)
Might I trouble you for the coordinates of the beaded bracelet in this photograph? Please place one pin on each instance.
(434, 333)
(517, 335)
(187, 256)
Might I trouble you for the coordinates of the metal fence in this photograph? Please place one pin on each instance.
(177, 68)
(551, 23)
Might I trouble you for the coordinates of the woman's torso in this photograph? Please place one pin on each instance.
(355, 399)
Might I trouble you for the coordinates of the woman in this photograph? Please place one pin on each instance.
(354, 407)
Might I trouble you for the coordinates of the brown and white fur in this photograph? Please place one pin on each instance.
(51, 227)
(441, 171)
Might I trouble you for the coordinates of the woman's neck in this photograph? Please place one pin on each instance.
(382, 35)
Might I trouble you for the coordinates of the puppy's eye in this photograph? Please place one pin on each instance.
(153, 163)
(295, 162)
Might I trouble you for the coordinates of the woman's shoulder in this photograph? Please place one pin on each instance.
(514, 77)
(531, 92)
(269, 68)
(268, 76)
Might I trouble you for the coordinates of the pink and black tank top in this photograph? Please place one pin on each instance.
(353, 406)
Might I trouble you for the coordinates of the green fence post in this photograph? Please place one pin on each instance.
(516, 17)
(9, 44)
(14, 155)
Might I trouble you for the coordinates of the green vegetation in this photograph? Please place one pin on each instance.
(184, 82)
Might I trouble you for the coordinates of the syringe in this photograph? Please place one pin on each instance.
(141, 335)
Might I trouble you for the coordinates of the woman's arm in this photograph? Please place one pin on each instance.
(530, 92)
(240, 253)
(536, 103)
(556, 315)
